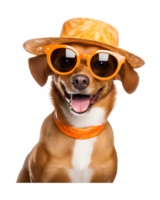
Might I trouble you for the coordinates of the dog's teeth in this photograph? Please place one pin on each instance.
(67, 100)
(71, 96)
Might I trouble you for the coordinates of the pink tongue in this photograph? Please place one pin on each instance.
(80, 103)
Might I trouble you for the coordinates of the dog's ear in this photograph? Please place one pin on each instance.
(39, 69)
(129, 77)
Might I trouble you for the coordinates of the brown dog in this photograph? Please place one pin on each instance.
(59, 159)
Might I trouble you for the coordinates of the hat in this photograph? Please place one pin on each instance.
(85, 31)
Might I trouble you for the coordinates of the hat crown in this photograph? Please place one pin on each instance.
(90, 29)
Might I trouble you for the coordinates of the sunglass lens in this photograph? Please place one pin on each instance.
(63, 60)
(103, 65)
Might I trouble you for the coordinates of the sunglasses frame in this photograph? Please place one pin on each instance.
(50, 48)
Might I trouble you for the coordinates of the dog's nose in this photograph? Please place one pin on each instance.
(80, 82)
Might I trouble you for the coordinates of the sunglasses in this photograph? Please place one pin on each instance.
(64, 59)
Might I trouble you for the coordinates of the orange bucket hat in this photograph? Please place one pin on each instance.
(85, 31)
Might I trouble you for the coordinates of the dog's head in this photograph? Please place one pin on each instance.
(80, 94)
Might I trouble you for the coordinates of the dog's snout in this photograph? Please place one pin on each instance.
(80, 82)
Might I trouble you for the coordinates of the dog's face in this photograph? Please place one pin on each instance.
(80, 99)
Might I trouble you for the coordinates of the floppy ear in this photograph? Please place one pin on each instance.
(39, 69)
(129, 77)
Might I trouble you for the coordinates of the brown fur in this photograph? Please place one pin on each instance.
(51, 157)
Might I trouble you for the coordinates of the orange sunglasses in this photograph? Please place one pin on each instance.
(64, 59)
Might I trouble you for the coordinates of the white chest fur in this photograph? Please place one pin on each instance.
(81, 159)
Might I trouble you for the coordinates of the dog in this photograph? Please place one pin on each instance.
(76, 141)
(58, 159)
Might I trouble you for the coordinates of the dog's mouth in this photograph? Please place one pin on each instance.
(80, 103)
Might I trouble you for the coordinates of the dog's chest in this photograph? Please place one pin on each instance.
(81, 159)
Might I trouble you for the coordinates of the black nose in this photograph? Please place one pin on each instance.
(80, 82)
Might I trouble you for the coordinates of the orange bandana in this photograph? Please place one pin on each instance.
(78, 133)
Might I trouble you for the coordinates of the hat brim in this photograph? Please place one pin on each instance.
(36, 47)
